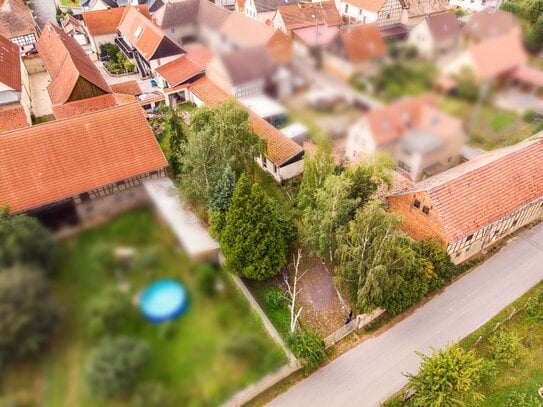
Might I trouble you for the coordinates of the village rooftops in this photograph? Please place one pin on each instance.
(370, 5)
(390, 123)
(90, 105)
(303, 15)
(490, 23)
(179, 12)
(248, 64)
(179, 70)
(10, 72)
(56, 160)
(12, 117)
(150, 41)
(280, 148)
(67, 63)
(263, 6)
(362, 42)
(211, 15)
(417, 8)
(485, 189)
(16, 19)
(443, 26)
(106, 21)
(498, 55)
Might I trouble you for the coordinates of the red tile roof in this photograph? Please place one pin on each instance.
(16, 19)
(485, 189)
(490, 59)
(66, 63)
(12, 118)
(106, 21)
(10, 74)
(179, 70)
(280, 147)
(387, 124)
(300, 15)
(127, 88)
(90, 105)
(444, 26)
(145, 36)
(489, 23)
(370, 5)
(363, 42)
(59, 159)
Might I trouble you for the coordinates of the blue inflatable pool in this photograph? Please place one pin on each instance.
(163, 301)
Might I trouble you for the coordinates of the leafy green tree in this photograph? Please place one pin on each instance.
(218, 137)
(506, 347)
(113, 366)
(534, 10)
(449, 377)
(317, 167)
(309, 347)
(111, 50)
(178, 138)
(28, 314)
(109, 313)
(150, 394)
(534, 36)
(253, 240)
(331, 211)
(432, 250)
(24, 240)
(219, 202)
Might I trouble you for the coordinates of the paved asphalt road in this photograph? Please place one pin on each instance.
(371, 372)
(44, 10)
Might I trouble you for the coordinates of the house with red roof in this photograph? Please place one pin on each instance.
(355, 50)
(476, 204)
(422, 140)
(17, 24)
(14, 90)
(101, 25)
(81, 168)
(385, 13)
(145, 43)
(73, 75)
(436, 35)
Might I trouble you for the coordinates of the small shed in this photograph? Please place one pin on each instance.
(266, 108)
(297, 132)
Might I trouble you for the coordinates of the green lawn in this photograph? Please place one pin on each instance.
(494, 127)
(70, 3)
(188, 357)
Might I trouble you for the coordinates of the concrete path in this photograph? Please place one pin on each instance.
(44, 10)
(370, 373)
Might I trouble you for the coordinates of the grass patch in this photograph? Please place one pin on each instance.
(494, 127)
(188, 356)
(70, 3)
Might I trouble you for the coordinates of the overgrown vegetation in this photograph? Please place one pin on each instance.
(116, 61)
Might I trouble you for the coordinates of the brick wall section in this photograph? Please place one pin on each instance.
(415, 222)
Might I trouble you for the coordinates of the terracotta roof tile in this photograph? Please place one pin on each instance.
(300, 15)
(280, 147)
(179, 12)
(146, 37)
(10, 74)
(211, 15)
(388, 123)
(179, 70)
(490, 59)
(444, 26)
(490, 23)
(487, 188)
(128, 88)
(370, 5)
(363, 42)
(71, 24)
(90, 105)
(106, 21)
(16, 19)
(417, 8)
(12, 118)
(66, 62)
(67, 157)
(245, 31)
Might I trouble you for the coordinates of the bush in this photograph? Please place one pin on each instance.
(506, 347)
(517, 399)
(534, 10)
(534, 306)
(275, 298)
(511, 7)
(28, 314)
(449, 377)
(24, 240)
(206, 279)
(150, 394)
(109, 313)
(529, 116)
(111, 50)
(309, 347)
(114, 365)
